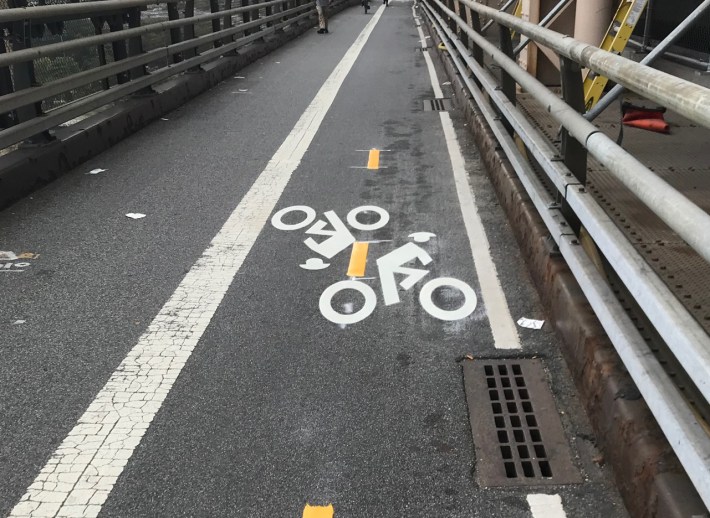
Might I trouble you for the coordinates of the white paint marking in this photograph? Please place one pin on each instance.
(546, 506)
(326, 307)
(277, 219)
(468, 306)
(421, 237)
(314, 263)
(382, 213)
(77, 479)
(135, 215)
(505, 335)
(338, 240)
(393, 262)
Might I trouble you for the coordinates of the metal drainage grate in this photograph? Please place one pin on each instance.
(437, 105)
(517, 433)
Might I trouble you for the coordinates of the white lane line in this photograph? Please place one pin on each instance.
(78, 478)
(546, 506)
(505, 335)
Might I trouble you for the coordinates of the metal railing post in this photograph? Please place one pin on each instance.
(188, 31)
(216, 24)
(6, 119)
(246, 16)
(115, 24)
(476, 50)
(175, 34)
(23, 75)
(574, 154)
(135, 44)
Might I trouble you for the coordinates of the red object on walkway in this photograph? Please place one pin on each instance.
(650, 119)
(657, 125)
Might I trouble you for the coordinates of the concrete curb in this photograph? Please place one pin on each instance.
(30, 168)
(647, 472)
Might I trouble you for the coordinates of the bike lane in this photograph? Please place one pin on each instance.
(279, 407)
(97, 278)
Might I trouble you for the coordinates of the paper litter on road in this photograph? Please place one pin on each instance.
(135, 215)
(17, 322)
(530, 323)
(239, 77)
(446, 83)
(164, 119)
(96, 171)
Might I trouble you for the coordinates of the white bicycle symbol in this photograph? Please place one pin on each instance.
(339, 238)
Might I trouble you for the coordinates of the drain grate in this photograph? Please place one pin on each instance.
(517, 433)
(437, 105)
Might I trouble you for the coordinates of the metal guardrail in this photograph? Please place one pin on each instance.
(574, 207)
(22, 114)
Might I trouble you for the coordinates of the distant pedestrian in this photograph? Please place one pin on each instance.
(322, 8)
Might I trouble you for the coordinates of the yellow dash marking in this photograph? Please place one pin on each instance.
(315, 511)
(358, 259)
(373, 162)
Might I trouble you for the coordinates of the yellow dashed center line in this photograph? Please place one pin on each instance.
(315, 511)
(358, 259)
(373, 162)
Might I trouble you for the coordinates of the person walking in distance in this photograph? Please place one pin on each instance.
(321, 7)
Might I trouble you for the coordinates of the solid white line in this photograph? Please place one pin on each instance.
(546, 506)
(78, 478)
(505, 334)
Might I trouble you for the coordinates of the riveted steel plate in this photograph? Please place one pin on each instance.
(517, 434)
(681, 159)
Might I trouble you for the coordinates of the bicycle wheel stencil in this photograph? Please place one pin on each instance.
(398, 268)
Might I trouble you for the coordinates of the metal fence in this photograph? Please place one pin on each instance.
(61, 61)
(570, 207)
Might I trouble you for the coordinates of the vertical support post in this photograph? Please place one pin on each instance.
(255, 16)
(476, 51)
(508, 84)
(175, 34)
(467, 18)
(507, 81)
(189, 30)
(452, 23)
(457, 10)
(227, 23)
(246, 16)
(269, 10)
(135, 44)
(573, 152)
(23, 75)
(115, 24)
(647, 26)
(216, 23)
(98, 23)
(6, 119)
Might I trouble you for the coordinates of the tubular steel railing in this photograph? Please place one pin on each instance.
(123, 64)
(572, 208)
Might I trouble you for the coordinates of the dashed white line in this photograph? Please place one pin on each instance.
(79, 476)
(546, 506)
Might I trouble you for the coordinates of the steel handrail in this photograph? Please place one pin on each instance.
(21, 56)
(686, 98)
(677, 420)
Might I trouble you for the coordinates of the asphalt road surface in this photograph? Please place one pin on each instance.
(281, 334)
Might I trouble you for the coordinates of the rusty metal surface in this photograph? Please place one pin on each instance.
(682, 159)
(517, 433)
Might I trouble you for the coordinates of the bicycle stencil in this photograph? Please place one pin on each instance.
(338, 238)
